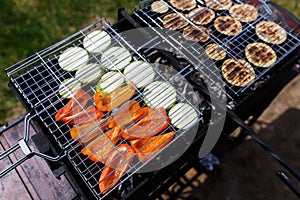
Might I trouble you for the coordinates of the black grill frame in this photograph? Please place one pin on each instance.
(286, 71)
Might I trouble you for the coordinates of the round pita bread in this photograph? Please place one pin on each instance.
(238, 72)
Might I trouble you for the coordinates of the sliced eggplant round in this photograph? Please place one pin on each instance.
(140, 73)
(97, 41)
(183, 116)
(110, 81)
(73, 58)
(116, 58)
(160, 94)
(68, 88)
(89, 73)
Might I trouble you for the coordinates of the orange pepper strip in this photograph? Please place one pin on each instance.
(101, 146)
(114, 99)
(74, 106)
(85, 132)
(127, 114)
(87, 115)
(146, 148)
(152, 123)
(116, 165)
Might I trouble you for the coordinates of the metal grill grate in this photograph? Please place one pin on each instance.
(38, 79)
(234, 45)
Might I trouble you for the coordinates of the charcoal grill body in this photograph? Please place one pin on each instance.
(246, 105)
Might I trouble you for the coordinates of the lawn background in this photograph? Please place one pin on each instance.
(28, 26)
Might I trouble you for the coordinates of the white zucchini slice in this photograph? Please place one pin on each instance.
(89, 73)
(159, 94)
(96, 41)
(110, 81)
(116, 58)
(73, 58)
(68, 88)
(183, 116)
(141, 73)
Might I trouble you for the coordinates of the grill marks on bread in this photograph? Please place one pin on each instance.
(218, 4)
(215, 52)
(260, 54)
(196, 33)
(201, 15)
(186, 5)
(238, 72)
(270, 32)
(174, 21)
(244, 12)
(228, 25)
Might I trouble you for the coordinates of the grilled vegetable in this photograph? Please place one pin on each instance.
(116, 165)
(127, 113)
(159, 94)
(89, 73)
(146, 148)
(73, 58)
(107, 102)
(110, 81)
(97, 41)
(116, 58)
(155, 121)
(86, 132)
(183, 116)
(140, 73)
(87, 115)
(68, 88)
(74, 106)
(101, 146)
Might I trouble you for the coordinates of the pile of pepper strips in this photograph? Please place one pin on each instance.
(112, 143)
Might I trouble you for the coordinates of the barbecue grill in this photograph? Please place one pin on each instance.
(37, 81)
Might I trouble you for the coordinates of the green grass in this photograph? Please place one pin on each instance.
(28, 26)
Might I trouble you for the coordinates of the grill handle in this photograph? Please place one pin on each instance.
(23, 145)
(289, 183)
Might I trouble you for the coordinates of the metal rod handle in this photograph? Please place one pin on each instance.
(23, 145)
(14, 165)
(289, 183)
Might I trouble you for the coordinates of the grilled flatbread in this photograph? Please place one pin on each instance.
(159, 7)
(228, 25)
(196, 33)
(201, 15)
(270, 32)
(260, 54)
(186, 5)
(215, 51)
(219, 4)
(238, 72)
(174, 21)
(244, 12)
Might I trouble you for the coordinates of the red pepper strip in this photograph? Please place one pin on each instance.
(116, 165)
(127, 114)
(75, 105)
(101, 146)
(114, 99)
(154, 122)
(146, 148)
(88, 115)
(84, 133)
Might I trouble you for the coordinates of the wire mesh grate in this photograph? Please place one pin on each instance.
(234, 45)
